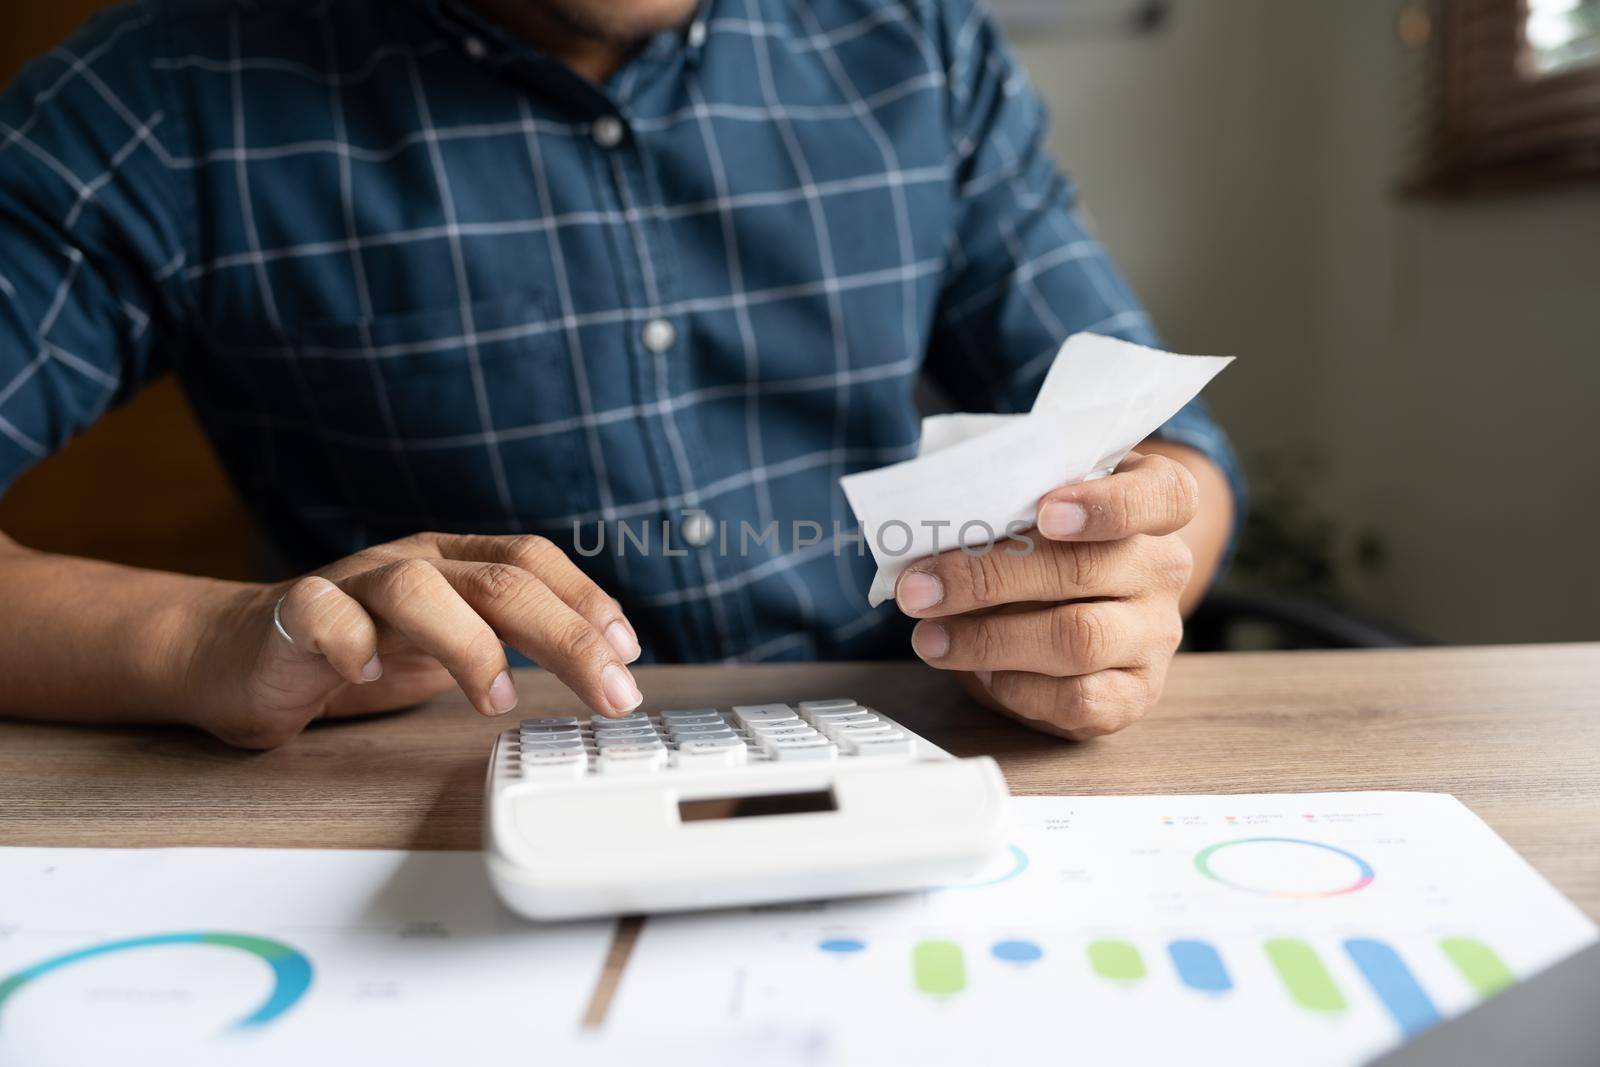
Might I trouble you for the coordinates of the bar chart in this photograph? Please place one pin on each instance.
(938, 969)
(1141, 928)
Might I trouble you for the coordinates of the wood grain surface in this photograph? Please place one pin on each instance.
(1514, 732)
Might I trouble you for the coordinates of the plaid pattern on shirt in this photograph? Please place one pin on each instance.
(414, 275)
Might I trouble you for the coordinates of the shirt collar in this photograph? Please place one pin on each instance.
(464, 22)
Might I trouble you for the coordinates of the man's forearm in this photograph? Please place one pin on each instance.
(86, 641)
(1207, 534)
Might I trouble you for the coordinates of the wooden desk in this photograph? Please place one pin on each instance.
(1514, 732)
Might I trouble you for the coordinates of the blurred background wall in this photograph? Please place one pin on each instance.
(1419, 381)
(1441, 356)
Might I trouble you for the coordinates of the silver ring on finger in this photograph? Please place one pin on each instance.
(277, 621)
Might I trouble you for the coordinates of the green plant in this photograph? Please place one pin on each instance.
(1288, 545)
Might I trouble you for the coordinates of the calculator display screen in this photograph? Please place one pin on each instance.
(756, 807)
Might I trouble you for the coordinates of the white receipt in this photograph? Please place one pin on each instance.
(976, 476)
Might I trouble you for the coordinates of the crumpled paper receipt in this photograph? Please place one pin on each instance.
(977, 476)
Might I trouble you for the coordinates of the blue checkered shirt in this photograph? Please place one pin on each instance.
(414, 275)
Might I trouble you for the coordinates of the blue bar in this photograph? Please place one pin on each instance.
(1016, 951)
(1200, 966)
(1394, 983)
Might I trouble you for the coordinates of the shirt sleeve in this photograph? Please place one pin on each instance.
(91, 243)
(1024, 271)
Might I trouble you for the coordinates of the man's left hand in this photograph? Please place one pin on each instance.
(1074, 637)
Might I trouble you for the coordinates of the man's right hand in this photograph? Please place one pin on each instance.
(394, 625)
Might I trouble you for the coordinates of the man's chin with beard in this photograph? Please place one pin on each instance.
(625, 23)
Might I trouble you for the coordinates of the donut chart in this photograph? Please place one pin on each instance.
(1292, 868)
(1016, 863)
(291, 970)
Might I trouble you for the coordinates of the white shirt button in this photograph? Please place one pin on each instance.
(475, 48)
(697, 529)
(659, 335)
(607, 131)
(697, 34)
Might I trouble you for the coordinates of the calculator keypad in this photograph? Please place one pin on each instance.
(565, 748)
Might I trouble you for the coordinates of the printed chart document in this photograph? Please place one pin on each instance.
(178, 956)
(1306, 929)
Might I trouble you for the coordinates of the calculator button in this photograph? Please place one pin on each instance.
(559, 720)
(685, 733)
(778, 724)
(614, 727)
(749, 713)
(800, 748)
(837, 704)
(553, 755)
(817, 716)
(624, 728)
(786, 729)
(698, 720)
(768, 742)
(555, 766)
(860, 718)
(858, 729)
(864, 729)
(632, 744)
(723, 753)
(819, 719)
(894, 744)
(564, 744)
(634, 760)
(642, 739)
(554, 733)
(704, 744)
(638, 718)
(550, 744)
(688, 714)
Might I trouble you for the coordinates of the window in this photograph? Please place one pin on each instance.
(1514, 91)
(1562, 35)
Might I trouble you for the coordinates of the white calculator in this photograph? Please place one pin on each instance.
(700, 808)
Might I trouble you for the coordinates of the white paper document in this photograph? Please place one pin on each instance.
(976, 475)
(1237, 930)
(178, 956)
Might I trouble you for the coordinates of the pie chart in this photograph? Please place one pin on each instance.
(290, 970)
(1293, 868)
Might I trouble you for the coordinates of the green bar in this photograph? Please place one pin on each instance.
(939, 968)
(1116, 960)
(1302, 971)
(1479, 964)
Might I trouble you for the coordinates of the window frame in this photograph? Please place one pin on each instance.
(1492, 123)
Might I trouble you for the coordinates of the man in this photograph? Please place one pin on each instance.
(504, 270)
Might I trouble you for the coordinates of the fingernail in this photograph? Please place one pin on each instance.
(621, 638)
(502, 694)
(1060, 518)
(930, 640)
(621, 692)
(983, 677)
(919, 591)
(372, 670)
